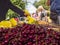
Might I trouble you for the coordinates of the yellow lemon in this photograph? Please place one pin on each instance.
(13, 22)
(26, 13)
(5, 24)
(1, 25)
(30, 20)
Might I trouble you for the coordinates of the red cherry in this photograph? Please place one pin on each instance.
(29, 43)
(34, 44)
(6, 36)
(16, 19)
(3, 43)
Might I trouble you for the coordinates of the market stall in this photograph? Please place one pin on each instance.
(40, 33)
(28, 32)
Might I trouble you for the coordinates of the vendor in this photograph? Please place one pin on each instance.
(42, 13)
(55, 11)
(5, 5)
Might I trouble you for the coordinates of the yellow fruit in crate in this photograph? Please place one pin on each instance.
(42, 22)
(49, 20)
(13, 22)
(21, 22)
(1, 25)
(30, 20)
(5, 24)
(26, 13)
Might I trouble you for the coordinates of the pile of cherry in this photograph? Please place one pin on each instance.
(29, 35)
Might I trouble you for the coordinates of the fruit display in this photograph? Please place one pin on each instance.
(47, 36)
(5, 24)
(42, 22)
(30, 20)
(8, 23)
(27, 13)
(29, 34)
(13, 22)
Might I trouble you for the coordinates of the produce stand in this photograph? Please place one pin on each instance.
(40, 33)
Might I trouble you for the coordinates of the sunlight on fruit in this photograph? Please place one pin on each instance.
(42, 22)
(49, 20)
(13, 22)
(30, 20)
(5, 24)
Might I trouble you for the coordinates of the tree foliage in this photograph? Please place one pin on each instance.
(20, 4)
(43, 3)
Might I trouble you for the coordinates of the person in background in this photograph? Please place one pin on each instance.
(42, 13)
(55, 11)
(5, 5)
(34, 15)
